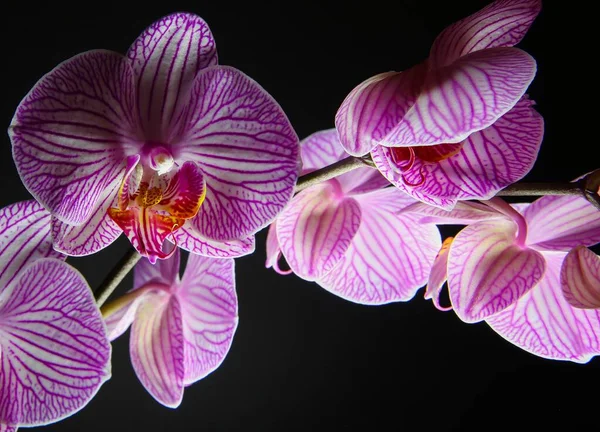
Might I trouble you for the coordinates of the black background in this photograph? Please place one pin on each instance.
(303, 359)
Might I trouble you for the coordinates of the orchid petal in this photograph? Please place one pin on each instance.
(24, 238)
(580, 278)
(501, 24)
(272, 246)
(119, 314)
(389, 258)
(210, 314)
(438, 275)
(189, 239)
(130, 182)
(465, 97)
(246, 148)
(156, 348)
(8, 428)
(464, 213)
(55, 353)
(561, 223)
(544, 324)
(488, 271)
(164, 272)
(321, 149)
(166, 58)
(375, 106)
(72, 132)
(185, 193)
(488, 161)
(316, 229)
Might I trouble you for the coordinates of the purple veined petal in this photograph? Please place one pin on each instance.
(210, 314)
(544, 324)
(73, 131)
(316, 229)
(439, 275)
(465, 97)
(24, 238)
(274, 251)
(321, 149)
(502, 23)
(580, 278)
(189, 239)
(165, 271)
(375, 106)
(119, 314)
(488, 271)
(156, 348)
(464, 213)
(561, 223)
(8, 428)
(55, 352)
(166, 58)
(389, 258)
(246, 147)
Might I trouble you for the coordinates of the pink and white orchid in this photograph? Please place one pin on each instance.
(505, 268)
(580, 278)
(182, 329)
(138, 143)
(457, 126)
(346, 235)
(54, 349)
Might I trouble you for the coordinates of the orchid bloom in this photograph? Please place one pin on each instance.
(457, 126)
(182, 329)
(505, 268)
(54, 349)
(345, 234)
(138, 143)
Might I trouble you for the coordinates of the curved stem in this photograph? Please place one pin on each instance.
(114, 278)
(338, 168)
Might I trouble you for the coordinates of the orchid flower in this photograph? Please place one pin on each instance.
(345, 234)
(182, 329)
(458, 125)
(54, 349)
(580, 278)
(139, 143)
(505, 268)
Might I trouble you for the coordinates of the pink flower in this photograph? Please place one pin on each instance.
(505, 268)
(346, 235)
(182, 329)
(457, 126)
(139, 143)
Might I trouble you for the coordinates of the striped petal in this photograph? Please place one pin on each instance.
(316, 229)
(465, 97)
(464, 213)
(156, 348)
(375, 106)
(487, 271)
(189, 239)
(274, 251)
(321, 149)
(210, 314)
(166, 58)
(8, 428)
(388, 259)
(164, 272)
(185, 193)
(73, 131)
(488, 161)
(120, 313)
(503, 23)
(439, 275)
(55, 352)
(544, 324)
(580, 278)
(24, 238)
(561, 223)
(246, 148)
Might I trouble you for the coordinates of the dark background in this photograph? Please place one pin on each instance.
(303, 359)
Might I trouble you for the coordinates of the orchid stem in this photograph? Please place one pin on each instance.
(338, 168)
(116, 275)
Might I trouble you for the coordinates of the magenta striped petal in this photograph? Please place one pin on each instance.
(24, 238)
(321, 149)
(487, 271)
(465, 97)
(55, 352)
(464, 213)
(163, 272)
(562, 223)
(166, 58)
(119, 314)
(544, 324)
(210, 314)
(72, 132)
(489, 160)
(580, 278)
(389, 258)
(156, 348)
(272, 246)
(439, 275)
(315, 230)
(7, 428)
(189, 239)
(247, 149)
(375, 106)
(503, 23)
